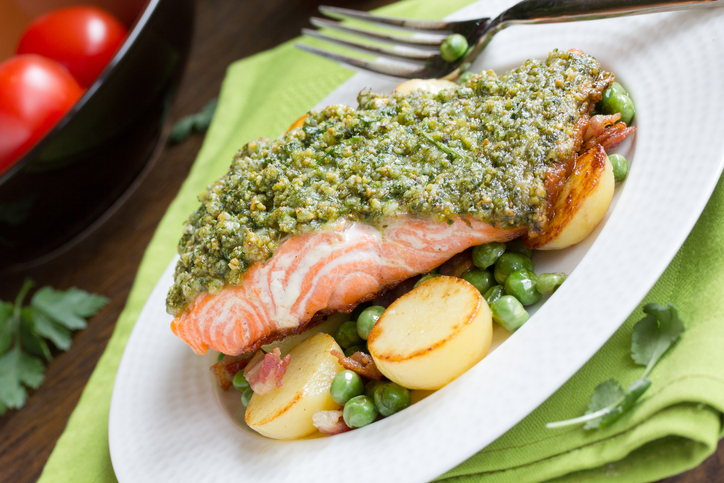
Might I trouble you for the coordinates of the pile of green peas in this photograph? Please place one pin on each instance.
(364, 401)
(505, 275)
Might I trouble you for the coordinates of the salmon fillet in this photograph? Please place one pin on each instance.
(246, 278)
(326, 271)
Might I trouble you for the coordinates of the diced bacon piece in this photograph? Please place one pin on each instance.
(330, 422)
(610, 138)
(598, 123)
(360, 363)
(226, 369)
(265, 371)
(459, 264)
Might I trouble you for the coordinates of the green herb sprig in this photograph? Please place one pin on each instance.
(52, 315)
(652, 337)
(198, 122)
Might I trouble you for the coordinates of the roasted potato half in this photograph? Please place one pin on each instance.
(433, 334)
(581, 204)
(286, 412)
(430, 85)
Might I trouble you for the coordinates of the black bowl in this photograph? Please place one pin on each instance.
(84, 165)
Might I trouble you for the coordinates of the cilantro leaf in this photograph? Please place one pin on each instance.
(655, 334)
(606, 398)
(17, 370)
(652, 337)
(68, 308)
(7, 329)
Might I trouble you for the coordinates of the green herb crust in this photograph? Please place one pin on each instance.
(482, 149)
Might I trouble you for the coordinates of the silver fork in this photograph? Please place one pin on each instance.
(424, 51)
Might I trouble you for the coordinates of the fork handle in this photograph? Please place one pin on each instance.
(549, 11)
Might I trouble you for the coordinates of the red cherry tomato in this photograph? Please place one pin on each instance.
(34, 94)
(83, 39)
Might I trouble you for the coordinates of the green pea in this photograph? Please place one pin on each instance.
(370, 388)
(508, 263)
(427, 276)
(391, 398)
(355, 348)
(239, 382)
(464, 77)
(509, 313)
(480, 279)
(246, 396)
(516, 246)
(453, 47)
(615, 101)
(549, 282)
(486, 255)
(521, 284)
(493, 294)
(359, 411)
(220, 356)
(367, 319)
(620, 167)
(615, 89)
(346, 385)
(346, 335)
(359, 309)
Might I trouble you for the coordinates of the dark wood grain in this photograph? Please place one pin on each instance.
(106, 261)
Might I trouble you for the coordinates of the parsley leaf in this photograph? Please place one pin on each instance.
(6, 326)
(18, 368)
(652, 337)
(52, 315)
(45, 327)
(68, 308)
(654, 334)
(198, 122)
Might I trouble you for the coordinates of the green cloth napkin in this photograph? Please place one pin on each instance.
(675, 426)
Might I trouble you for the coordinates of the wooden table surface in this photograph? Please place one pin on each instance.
(106, 261)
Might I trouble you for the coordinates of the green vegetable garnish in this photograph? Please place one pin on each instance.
(652, 337)
(482, 280)
(486, 255)
(52, 314)
(367, 320)
(453, 47)
(359, 411)
(521, 284)
(198, 122)
(346, 335)
(549, 282)
(391, 398)
(464, 77)
(346, 385)
(620, 167)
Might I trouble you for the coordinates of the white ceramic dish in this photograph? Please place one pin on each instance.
(166, 425)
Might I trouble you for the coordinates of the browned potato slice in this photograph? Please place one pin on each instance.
(288, 343)
(581, 205)
(286, 412)
(431, 335)
(431, 85)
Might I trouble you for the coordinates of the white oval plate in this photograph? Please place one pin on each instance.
(166, 425)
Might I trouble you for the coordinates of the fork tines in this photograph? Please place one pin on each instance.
(413, 55)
